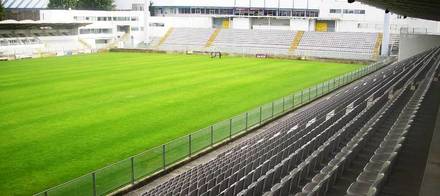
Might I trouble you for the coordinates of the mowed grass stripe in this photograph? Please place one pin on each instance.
(63, 100)
(98, 92)
(162, 79)
(66, 116)
(63, 76)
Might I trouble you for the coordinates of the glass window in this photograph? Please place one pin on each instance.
(335, 11)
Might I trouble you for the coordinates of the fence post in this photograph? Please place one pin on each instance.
(94, 183)
(212, 135)
(45, 193)
(283, 103)
(316, 90)
(163, 157)
(293, 100)
(302, 94)
(328, 87)
(230, 128)
(308, 97)
(272, 109)
(132, 170)
(261, 114)
(189, 147)
(246, 122)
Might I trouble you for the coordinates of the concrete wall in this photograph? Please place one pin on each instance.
(411, 44)
(299, 24)
(241, 3)
(241, 23)
(176, 22)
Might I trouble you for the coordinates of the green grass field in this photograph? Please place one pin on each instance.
(63, 117)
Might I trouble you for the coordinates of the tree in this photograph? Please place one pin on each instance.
(95, 4)
(2, 10)
(63, 4)
(151, 9)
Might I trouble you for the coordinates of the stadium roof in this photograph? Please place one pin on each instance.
(29, 24)
(426, 9)
(25, 4)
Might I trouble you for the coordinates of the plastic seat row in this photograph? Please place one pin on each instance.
(181, 181)
(285, 186)
(376, 171)
(228, 155)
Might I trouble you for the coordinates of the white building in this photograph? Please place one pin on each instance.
(108, 28)
(307, 15)
(133, 24)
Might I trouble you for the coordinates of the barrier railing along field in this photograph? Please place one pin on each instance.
(145, 164)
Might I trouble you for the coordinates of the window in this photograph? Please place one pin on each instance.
(157, 24)
(95, 31)
(137, 7)
(285, 12)
(347, 11)
(359, 11)
(101, 41)
(335, 11)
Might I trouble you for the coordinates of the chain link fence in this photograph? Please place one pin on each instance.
(145, 164)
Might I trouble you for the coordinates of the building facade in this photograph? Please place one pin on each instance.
(135, 22)
(107, 28)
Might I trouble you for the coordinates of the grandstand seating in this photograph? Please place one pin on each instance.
(184, 39)
(344, 45)
(253, 41)
(16, 46)
(361, 129)
(340, 45)
(19, 41)
(61, 43)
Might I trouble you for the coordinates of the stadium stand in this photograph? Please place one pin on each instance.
(62, 44)
(55, 44)
(274, 42)
(338, 45)
(29, 39)
(343, 45)
(185, 39)
(345, 144)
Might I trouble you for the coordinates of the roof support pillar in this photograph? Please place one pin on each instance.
(386, 34)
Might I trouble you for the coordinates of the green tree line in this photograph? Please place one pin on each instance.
(81, 4)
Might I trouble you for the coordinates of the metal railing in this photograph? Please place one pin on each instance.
(136, 168)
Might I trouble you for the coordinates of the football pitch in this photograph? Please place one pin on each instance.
(62, 117)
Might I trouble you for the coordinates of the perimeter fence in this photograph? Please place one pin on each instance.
(145, 164)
